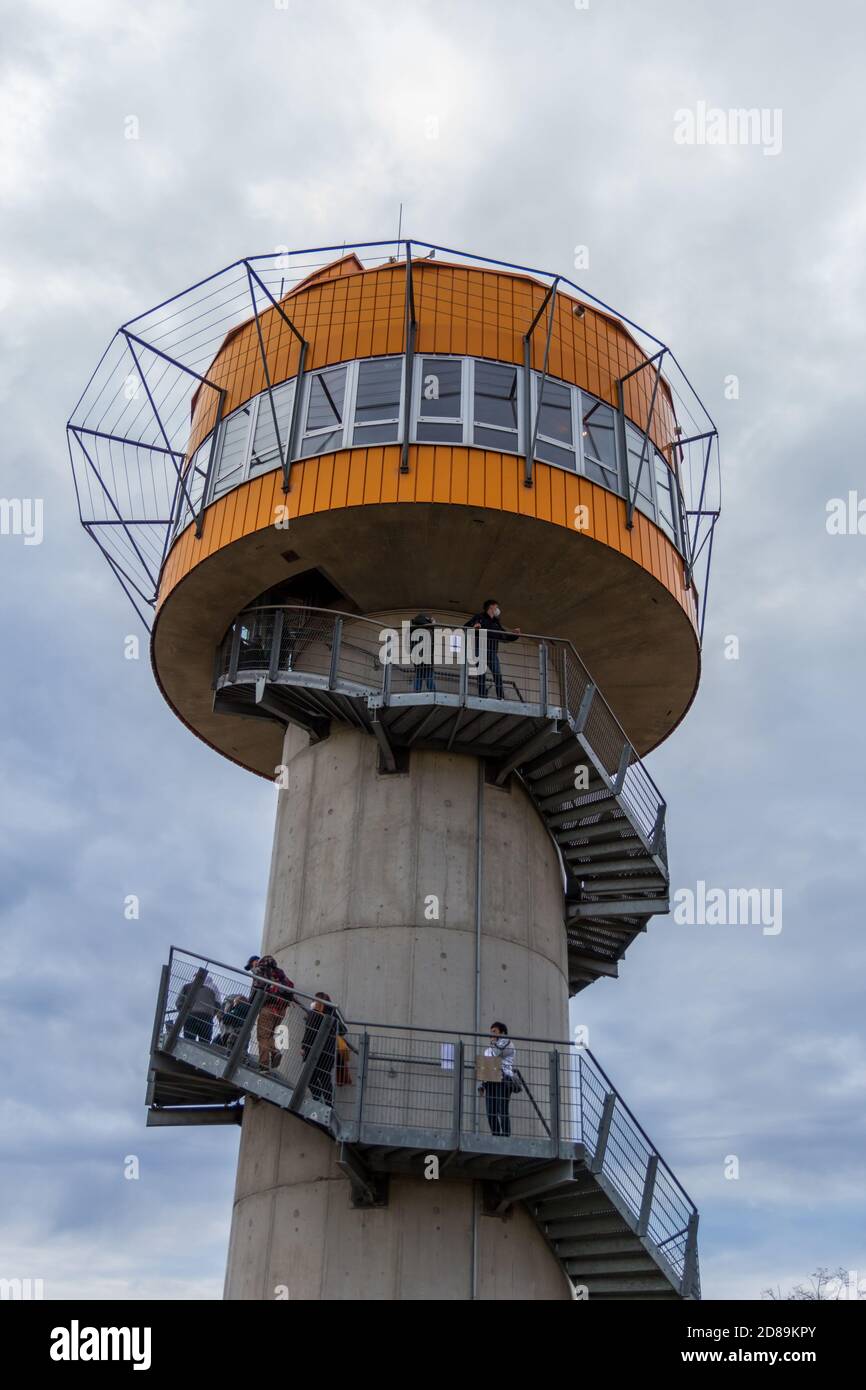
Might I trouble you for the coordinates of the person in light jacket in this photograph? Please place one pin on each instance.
(497, 1094)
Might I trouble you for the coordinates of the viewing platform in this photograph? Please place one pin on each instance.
(542, 719)
(392, 1097)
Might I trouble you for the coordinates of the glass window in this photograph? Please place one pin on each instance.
(377, 401)
(555, 435)
(232, 450)
(665, 495)
(636, 444)
(266, 453)
(495, 406)
(324, 427)
(440, 413)
(597, 423)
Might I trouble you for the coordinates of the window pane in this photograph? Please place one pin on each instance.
(606, 476)
(506, 440)
(440, 390)
(378, 396)
(434, 432)
(384, 433)
(327, 392)
(265, 450)
(233, 451)
(495, 395)
(636, 444)
(554, 412)
(321, 443)
(551, 453)
(597, 423)
(665, 495)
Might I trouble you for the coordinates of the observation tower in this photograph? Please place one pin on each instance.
(285, 466)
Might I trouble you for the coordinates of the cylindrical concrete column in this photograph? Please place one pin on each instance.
(373, 898)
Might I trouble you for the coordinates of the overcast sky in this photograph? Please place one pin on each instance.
(262, 126)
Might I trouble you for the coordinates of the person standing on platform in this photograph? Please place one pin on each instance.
(488, 622)
(277, 998)
(497, 1094)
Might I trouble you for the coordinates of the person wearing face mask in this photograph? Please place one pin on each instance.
(488, 621)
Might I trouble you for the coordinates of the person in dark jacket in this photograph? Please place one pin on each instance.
(487, 621)
(321, 1015)
(278, 996)
(422, 622)
(198, 1024)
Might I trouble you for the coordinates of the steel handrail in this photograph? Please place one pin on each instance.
(369, 1029)
(563, 643)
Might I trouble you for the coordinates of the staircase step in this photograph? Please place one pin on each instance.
(605, 831)
(615, 1266)
(581, 1244)
(564, 798)
(605, 849)
(617, 866)
(602, 1223)
(609, 1284)
(602, 807)
(568, 748)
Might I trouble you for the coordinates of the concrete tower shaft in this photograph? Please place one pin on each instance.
(359, 861)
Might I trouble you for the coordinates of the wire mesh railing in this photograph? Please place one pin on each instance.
(535, 675)
(410, 1088)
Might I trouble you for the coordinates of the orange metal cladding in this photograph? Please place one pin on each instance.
(346, 312)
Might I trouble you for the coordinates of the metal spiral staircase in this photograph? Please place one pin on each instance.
(546, 723)
(616, 1218)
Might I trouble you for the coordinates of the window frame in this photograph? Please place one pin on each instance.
(506, 430)
(418, 419)
(352, 424)
(549, 439)
(304, 433)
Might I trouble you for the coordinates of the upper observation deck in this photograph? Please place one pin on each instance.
(410, 422)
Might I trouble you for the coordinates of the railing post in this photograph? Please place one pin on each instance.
(690, 1262)
(542, 677)
(464, 665)
(335, 653)
(239, 1046)
(362, 1076)
(184, 1010)
(276, 644)
(658, 829)
(386, 683)
(458, 1092)
(555, 1106)
(624, 761)
(161, 1002)
(583, 710)
(648, 1193)
(235, 651)
(597, 1162)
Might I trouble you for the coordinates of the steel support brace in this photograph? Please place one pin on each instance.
(532, 432)
(411, 335)
(239, 1049)
(369, 1189)
(291, 448)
